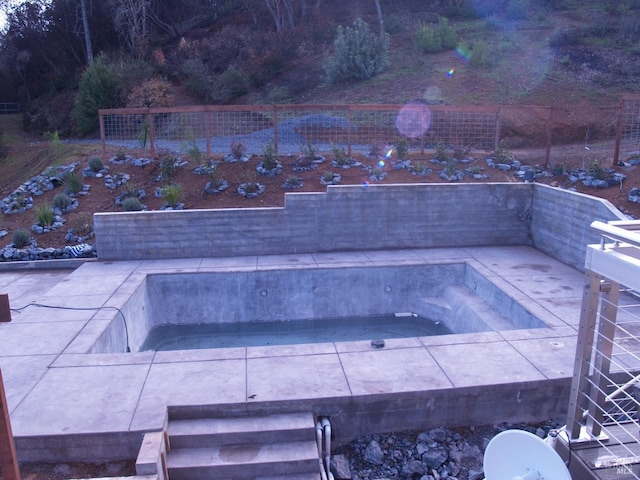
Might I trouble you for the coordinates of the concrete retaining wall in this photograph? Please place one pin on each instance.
(561, 220)
(364, 218)
(344, 218)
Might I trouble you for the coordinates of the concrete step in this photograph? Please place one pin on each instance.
(244, 462)
(210, 432)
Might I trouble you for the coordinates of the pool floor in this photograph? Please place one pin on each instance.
(291, 332)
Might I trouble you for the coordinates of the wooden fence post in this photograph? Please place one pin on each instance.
(8, 457)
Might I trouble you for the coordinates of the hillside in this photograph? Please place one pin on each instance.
(553, 57)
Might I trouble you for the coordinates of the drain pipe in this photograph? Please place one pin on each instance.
(319, 432)
(323, 439)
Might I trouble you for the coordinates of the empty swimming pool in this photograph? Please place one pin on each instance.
(291, 332)
(453, 295)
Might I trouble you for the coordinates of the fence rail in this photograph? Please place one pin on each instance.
(358, 128)
(9, 108)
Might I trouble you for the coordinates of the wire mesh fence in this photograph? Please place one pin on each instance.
(630, 127)
(608, 132)
(294, 128)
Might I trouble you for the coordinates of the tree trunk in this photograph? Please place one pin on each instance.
(87, 33)
(380, 20)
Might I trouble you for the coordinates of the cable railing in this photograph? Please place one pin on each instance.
(603, 422)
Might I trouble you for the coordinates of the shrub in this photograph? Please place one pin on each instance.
(44, 215)
(269, 157)
(155, 92)
(432, 40)
(82, 224)
(62, 201)
(233, 83)
(340, 155)
(167, 168)
(427, 40)
(359, 53)
(402, 148)
(442, 154)
(131, 204)
(447, 34)
(21, 238)
(98, 89)
(171, 194)
(502, 154)
(72, 183)
(239, 148)
(95, 164)
(483, 54)
(196, 78)
(596, 170)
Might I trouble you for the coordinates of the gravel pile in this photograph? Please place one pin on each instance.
(439, 453)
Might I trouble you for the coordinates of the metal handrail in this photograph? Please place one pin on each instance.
(616, 231)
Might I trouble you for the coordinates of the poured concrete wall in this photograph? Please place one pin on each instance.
(351, 217)
(561, 220)
(344, 218)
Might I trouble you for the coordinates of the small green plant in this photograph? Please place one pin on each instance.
(168, 168)
(44, 215)
(327, 176)
(340, 155)
(62, 201)
(402, 148)
(294, 181)
(95, 164)
(82, 224)
(143, 135)
(21, 238)
(131, 204)
(596, 170)
(239, 148)
(450, 169)
(502, 154)
(442, 154)
(269, 157)
(460, 152)
(309, 151)
(55, 145)
(419, 168)
(558, 169)
(72, 183)
(172, 193)
(121, 154)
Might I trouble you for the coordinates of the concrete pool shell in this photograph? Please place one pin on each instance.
(66, 404)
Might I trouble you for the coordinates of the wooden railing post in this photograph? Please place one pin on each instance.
(8, 457)
(102, 134)
(152, 134)
(619, 127)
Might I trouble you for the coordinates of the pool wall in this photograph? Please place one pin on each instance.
(364, 218)
(453, 293)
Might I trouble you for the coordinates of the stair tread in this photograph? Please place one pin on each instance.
(242, 454)
(223, 426)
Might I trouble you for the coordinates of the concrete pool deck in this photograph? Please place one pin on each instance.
(55, 390)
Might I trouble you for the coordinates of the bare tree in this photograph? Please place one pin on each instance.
(131, 22)
(380, 20)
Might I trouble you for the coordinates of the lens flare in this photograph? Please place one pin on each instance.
(381, 164)
(451, 72)
(414, 119)
(388, 155)
(464, 52)
(365, 183)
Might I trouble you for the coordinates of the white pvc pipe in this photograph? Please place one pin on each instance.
(326, 426)
(319, 433)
